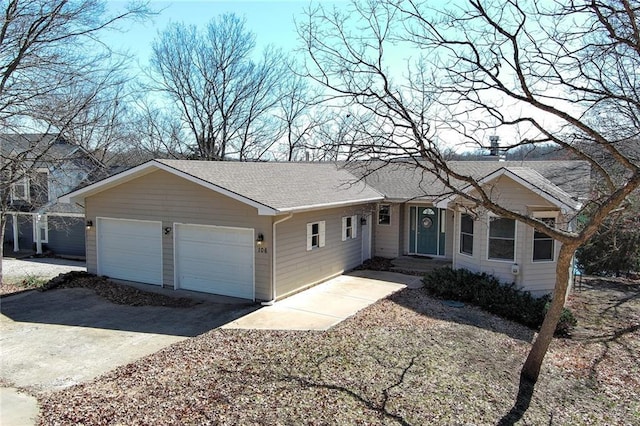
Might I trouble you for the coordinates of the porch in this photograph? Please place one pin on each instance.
(417, 265)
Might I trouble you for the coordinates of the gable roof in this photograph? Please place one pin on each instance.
(272, 187)
(275, 187)
(531, 180)
(41, 149)
(404, 181)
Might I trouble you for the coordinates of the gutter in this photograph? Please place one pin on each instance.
(273, 261)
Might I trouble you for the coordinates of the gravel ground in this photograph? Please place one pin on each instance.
(45, 267)
(409, 359)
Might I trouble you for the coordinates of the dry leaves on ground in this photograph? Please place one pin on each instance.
(408, 359)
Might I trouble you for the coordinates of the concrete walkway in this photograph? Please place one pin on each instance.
(327, 304)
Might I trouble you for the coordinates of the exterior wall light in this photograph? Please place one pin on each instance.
(89, 224)
(167, 230)
(260, 239)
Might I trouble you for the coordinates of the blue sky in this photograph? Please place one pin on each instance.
(272, 21)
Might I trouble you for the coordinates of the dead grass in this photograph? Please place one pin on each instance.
(12, 285)
(408, 359)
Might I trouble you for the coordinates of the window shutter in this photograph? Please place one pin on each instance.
(321, 230)
(344, 229)
(354, 224)
(309, 234)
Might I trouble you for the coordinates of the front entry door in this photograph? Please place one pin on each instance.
(425, 231)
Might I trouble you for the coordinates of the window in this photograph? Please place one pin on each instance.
(315, 235)
(502, 238)
(466, 234)
(384, 214)
(543, 245)
(349, 228)
(20, 189)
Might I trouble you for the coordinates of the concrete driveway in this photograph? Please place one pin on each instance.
(55, 339)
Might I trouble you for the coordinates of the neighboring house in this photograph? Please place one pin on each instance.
(262, 231)
(40, 169)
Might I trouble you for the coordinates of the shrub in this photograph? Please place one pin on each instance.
(566, 323)
(615, 248)
(487, 292)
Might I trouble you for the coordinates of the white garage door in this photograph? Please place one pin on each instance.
(215, 259)
(130, 250)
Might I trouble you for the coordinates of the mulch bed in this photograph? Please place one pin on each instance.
(408, 359)
(116, 293)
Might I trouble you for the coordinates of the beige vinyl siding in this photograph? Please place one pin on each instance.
(403, 237)
(161, 196)
(539, 277)
(449, 234)
(297, 267)
(387, 237)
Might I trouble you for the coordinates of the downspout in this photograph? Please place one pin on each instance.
(37, 234)
(16, 232)
(273, 261)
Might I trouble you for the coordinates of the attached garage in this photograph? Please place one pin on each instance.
(130, 249)
(231, 228)
(215, 259)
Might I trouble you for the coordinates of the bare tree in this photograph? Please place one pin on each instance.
(554, 72)
(222, 95)
(104, 126)
(39, 71)
(300, 115)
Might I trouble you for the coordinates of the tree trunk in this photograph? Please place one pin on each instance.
(3, 221)
(531, 368)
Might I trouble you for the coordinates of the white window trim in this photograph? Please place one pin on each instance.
(25, 182)
(45, 225)
(543, 215)
(515, 239)
(473, 236)
(378, 215)
(354, 228)
(321, 235)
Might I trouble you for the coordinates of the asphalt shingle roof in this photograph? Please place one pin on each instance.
(290, 186)
(281, 186)
(404, 181)
(543, 184)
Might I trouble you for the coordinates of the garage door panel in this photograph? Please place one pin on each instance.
(130, 250)
(215, 260)
(224, 254)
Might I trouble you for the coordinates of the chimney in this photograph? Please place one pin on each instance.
(494, 149)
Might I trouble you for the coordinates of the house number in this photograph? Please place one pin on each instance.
(261, 249)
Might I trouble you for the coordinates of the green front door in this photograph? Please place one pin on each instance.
(425, 232)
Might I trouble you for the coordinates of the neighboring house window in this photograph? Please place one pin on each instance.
(40, 186)
(349, 228)
(315, 235)
(543, 245)
(502, 238)
(466, 234)
(384, 214)
(40, 229)
(20, 189)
